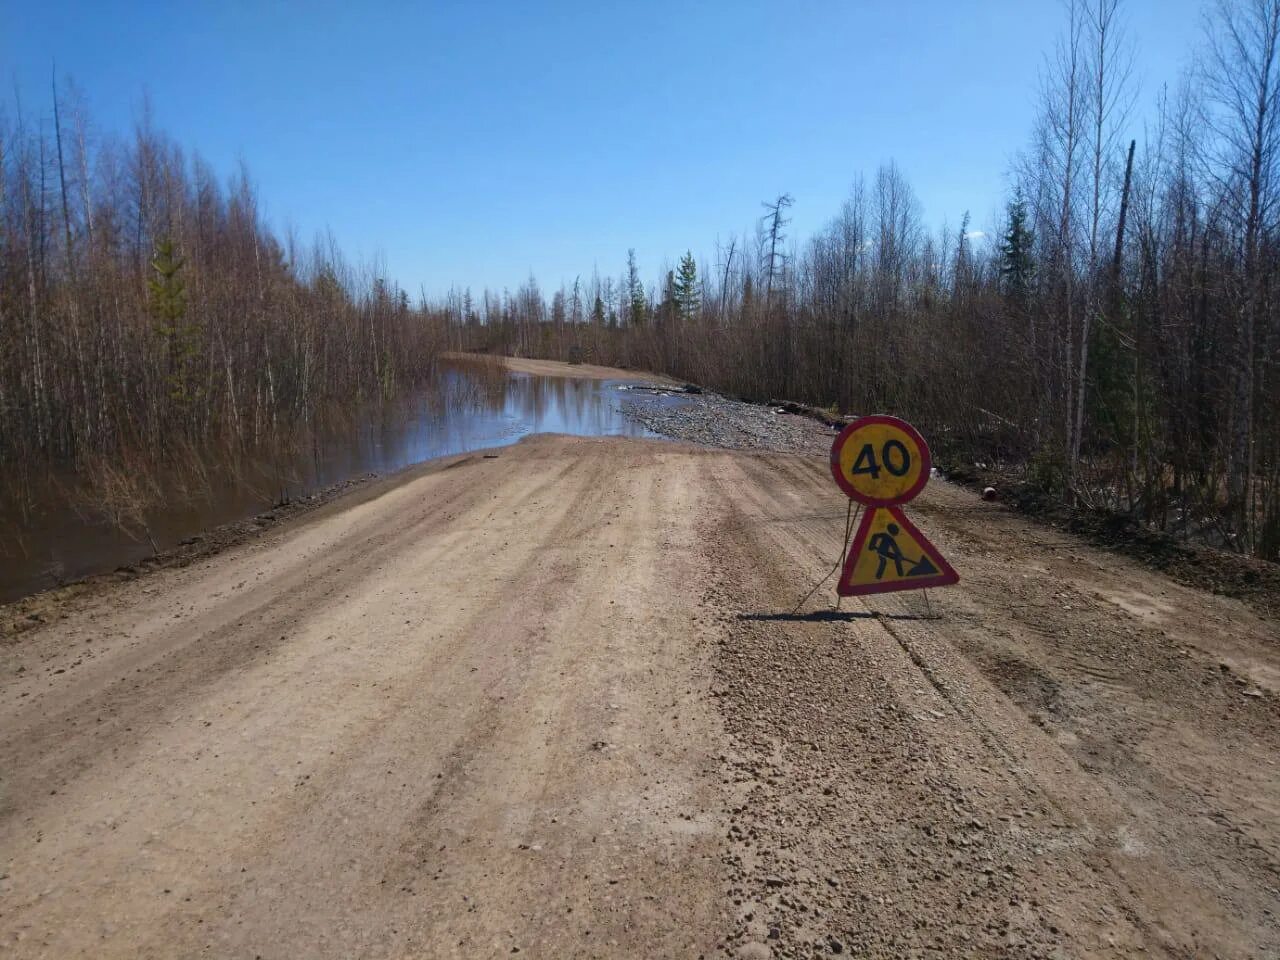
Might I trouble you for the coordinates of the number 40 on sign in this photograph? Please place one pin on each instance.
(883, 462)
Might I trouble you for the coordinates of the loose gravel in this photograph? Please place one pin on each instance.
(713, 420)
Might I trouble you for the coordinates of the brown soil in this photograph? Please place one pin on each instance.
(1257, 582)
(1076, 758)
(551, 700)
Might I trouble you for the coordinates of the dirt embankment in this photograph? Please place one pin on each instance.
(555, 368)
(551, 702)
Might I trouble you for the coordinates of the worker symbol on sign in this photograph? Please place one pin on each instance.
(887, 548)
(883, 462)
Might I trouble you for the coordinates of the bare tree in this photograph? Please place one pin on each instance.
(1110, 66)
(897, 227)
(1242, 77)
(774, 222)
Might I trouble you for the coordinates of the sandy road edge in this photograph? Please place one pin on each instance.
(558, 368)
(20, 616)
(32, 611)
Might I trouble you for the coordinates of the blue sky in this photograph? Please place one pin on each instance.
(474, 143)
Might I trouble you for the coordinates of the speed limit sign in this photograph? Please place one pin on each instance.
(880, 461)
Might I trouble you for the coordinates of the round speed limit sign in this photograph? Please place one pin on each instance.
(880, 461)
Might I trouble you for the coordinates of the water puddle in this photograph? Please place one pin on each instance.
(472, 406)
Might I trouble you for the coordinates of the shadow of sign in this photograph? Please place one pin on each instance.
(837, 616)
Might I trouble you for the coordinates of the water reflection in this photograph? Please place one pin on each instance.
(470, 411)
(472, 406)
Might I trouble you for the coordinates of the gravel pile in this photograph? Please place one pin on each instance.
(720, 422)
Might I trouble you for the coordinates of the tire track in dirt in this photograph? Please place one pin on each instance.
(376, 785)
(1091, 853)
(848, 739)
(164, 663)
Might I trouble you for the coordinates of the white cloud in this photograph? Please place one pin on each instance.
(975, 235)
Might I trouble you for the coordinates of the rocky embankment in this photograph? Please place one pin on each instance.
(708, 418)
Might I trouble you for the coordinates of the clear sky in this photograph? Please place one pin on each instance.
(470, 143)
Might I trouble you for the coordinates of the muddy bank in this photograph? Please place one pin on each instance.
(27, 613)
(1254, 581)
(558, 368)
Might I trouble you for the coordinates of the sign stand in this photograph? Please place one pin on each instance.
(850, 517)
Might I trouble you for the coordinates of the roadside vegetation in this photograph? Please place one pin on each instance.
(1118, 341)
(155, 333)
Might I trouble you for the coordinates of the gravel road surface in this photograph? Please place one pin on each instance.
(551, 701)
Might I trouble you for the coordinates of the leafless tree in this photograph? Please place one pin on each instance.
(1242, 77)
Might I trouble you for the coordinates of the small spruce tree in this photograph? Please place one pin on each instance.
(167, 296)
(686, 288)
(1017, 266)
(637, 302)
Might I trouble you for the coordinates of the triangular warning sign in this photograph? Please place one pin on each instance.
(889, 553)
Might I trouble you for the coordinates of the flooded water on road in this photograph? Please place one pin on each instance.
(472, 406)
(473, 411)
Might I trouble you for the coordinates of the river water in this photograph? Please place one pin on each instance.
(471, 407)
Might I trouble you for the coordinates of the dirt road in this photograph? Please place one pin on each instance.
(554, 368)
(549, 702)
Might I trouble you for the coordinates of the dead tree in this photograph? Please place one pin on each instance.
(775, 260)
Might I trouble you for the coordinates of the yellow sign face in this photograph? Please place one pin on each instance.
(880, 461)
(888, 554)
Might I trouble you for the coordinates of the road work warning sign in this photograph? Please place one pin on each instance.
(889, 553)
(883, 462)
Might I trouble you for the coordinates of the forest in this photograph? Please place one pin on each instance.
(1118, 342)
(153, 328)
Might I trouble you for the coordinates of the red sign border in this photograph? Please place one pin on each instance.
(946, 573)
(850, 491)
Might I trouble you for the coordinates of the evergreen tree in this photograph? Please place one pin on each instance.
(668, 308)
(558, 308)
(168, 292)
(686, 288)
(1017, 268)
(168, 305)
(637, 302)
(597, 312)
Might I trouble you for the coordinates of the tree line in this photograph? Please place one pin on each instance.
(1119, 338)
(148, 316)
